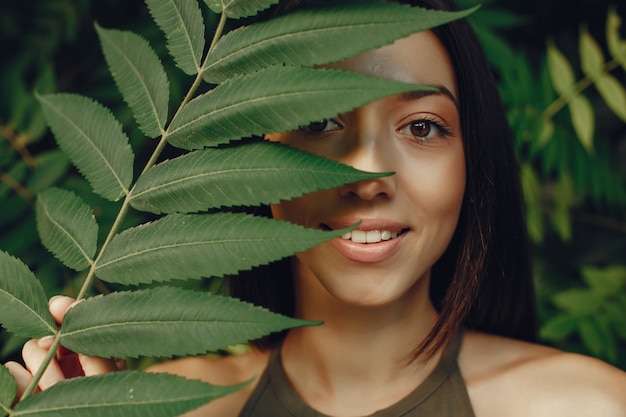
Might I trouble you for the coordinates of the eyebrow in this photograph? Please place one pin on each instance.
(438, 90)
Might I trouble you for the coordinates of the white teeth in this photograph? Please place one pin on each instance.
(370, 236)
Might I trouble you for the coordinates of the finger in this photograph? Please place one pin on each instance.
(21, 375)
(58, 306)
(33, 357)
(96, 366)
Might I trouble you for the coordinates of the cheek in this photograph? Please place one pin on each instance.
(437, 185)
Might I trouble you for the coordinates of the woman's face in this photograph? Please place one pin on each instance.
(408, 219)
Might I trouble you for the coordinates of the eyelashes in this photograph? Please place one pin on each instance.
(421, 129)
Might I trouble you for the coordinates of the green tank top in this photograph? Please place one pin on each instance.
(442, 394)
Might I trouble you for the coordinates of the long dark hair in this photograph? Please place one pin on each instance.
(483, 281)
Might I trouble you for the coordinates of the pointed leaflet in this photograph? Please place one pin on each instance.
(319, 36)
(255, 173)
(67, 227)
(275, 99)
(23, 305)
(93, 140)
(236, 9)
(181, 21)
(165, 322)
(583, 120)
(8, 391)
(124, 393)
(139, 76)
(202, 245)
(561, 72)
(617, 46)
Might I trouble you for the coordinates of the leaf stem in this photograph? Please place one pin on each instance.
(88, 282)
(575, 90)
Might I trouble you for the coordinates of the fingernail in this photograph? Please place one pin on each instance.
(53, 298)
(45, 341)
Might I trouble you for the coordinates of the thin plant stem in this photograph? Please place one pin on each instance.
(88, 282)
(42, 368)
(575, 90)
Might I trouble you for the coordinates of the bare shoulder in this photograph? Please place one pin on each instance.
(228, 370)
(507, 377)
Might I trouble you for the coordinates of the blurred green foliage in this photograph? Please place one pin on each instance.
(573, 155)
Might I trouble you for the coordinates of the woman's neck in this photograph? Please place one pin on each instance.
(360, 352)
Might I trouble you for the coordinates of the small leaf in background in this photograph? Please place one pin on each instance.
(609, 280)
(583, 120)
(561, 72)
(532, 190)
(8, 391)
(591, 56)
(23, 305)
(617, 315)
(597, 338)
(67, 227)
(578, 301)
(93, 140)
(139, 76)
(319, 35)
(559, 327)
(613, 93)
(216, 177)
(274, 99)
(206, 245)
(236, 9)
(124, 393)
(181, 21)
(617, 46)
(50, 168)
(564, 200)
(165, 322)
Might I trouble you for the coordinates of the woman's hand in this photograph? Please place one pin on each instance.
(66, 364)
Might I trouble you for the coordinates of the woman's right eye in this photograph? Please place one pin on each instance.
(320, 127)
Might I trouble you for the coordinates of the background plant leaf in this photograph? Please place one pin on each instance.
(613, 94)
(164, 322)
(617, 46)
(139, 76)
(8, 391)
(216, 177)
(93, 140)
(591, 56)
(318, 36)
(67, 227)
(124, 393)
(182, 23)
(23, 305)
(206, 245)
(583, 120)
(561, 72)
(275, 99)
(236, 9)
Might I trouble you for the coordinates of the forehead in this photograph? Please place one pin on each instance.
(417, 59)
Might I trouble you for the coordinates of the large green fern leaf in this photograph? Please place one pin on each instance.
(23, 305)
(125, 393)
(181, 21)
(139, 76)
(164, 322)
(67, 227)
(194, 246)
(94, 141)
(255, 173)
(274, 100)
(319, 36)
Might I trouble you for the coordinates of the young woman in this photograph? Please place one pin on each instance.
(427, 305)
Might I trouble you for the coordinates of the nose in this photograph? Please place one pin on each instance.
(367, 152)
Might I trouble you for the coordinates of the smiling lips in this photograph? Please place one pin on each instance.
(372, 242)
